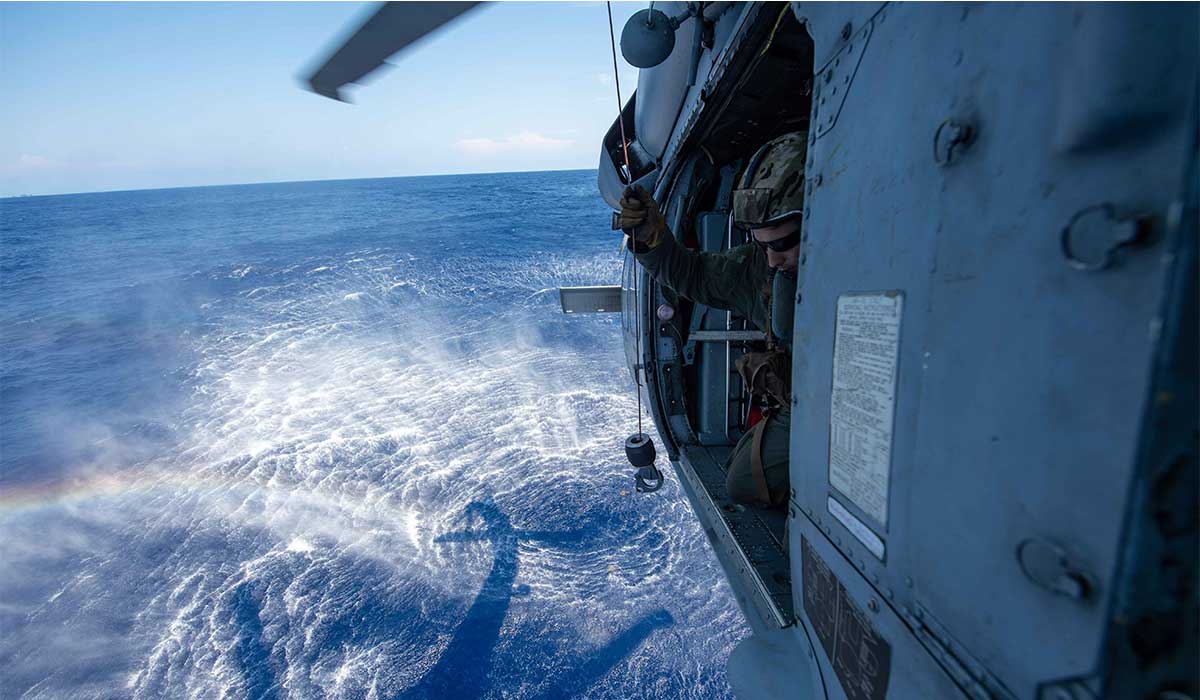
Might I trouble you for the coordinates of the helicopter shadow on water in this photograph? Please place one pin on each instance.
(466, 663)
(464, 668)
(251, 651)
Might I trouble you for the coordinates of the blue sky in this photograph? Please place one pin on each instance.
(140, 95)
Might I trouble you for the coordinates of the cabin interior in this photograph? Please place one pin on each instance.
(771, 97)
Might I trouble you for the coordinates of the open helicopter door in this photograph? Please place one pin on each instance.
(614, 176)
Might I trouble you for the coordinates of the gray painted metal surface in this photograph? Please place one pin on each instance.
(975, 162)
(1021, 379)
(712, 384)
(590, 299)
(667, 82)
(670, 97)
(726, 336)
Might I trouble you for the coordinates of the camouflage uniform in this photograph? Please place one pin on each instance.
(769, 194)
(738, 280)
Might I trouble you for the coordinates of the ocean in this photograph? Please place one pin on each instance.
(333, 440)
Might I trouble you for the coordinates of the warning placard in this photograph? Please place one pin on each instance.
(860, 656)
(865, 351)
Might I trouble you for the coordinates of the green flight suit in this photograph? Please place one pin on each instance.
(737, 280)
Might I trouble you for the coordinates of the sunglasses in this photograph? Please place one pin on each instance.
(780, 245)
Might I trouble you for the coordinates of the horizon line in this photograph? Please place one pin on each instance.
(288, 182)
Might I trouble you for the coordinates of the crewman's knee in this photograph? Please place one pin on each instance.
(740, 487)
(740, 482)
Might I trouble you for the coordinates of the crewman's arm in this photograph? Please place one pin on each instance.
(725, 280)
(720, 280)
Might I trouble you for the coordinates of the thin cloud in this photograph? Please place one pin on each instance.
(524, 141)
(28, 161)
(33, 163)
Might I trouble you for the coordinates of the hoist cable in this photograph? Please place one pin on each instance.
(617, 79)
(637, 317)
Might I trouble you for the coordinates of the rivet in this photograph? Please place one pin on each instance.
(908, 581)
(873, 605)
(846, 30)
(817, 180)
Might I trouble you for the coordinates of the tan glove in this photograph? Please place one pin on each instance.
(641, 219)
(767, 374)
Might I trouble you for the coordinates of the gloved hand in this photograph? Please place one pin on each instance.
(641, 219)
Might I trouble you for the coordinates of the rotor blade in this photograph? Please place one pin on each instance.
(393, 27)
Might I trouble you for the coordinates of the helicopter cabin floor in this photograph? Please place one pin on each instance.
(742, 534)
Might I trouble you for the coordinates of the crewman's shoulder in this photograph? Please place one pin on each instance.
(743, 254)
(748, 258)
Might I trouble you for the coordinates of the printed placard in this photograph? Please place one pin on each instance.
(865, 352)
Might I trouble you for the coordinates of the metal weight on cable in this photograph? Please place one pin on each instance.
(639, 448)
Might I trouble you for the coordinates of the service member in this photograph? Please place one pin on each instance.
(756, 280)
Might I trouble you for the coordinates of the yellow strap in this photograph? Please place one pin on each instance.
(778, 20)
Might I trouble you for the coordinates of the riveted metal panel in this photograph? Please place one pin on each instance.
(955, 163)
(853, 668)
(832, 25)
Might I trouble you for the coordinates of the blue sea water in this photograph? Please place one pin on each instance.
(333, 440)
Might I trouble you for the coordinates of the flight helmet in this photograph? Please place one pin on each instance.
(771, 189)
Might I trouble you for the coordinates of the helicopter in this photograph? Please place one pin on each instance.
(999, 253)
